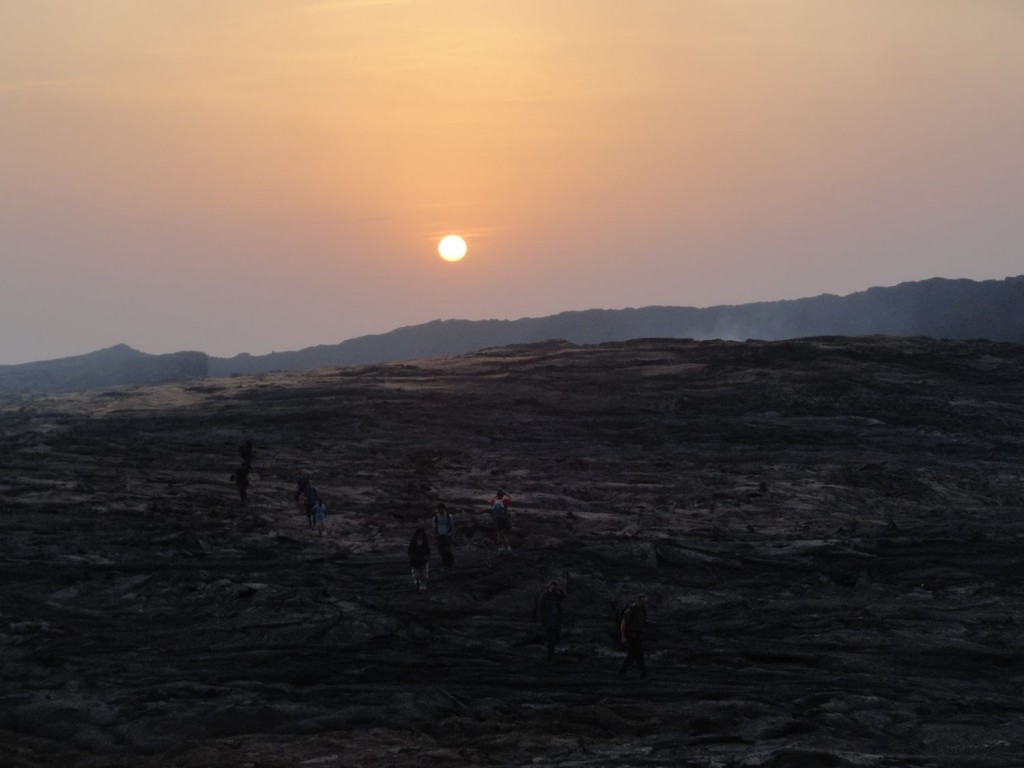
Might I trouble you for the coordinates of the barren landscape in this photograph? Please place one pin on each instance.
(829, 532)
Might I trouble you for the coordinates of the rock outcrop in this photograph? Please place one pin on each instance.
(829, 531)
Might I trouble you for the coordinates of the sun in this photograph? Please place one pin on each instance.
(452, 248)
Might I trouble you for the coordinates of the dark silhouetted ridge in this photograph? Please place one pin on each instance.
(115, 366)
(936, 308)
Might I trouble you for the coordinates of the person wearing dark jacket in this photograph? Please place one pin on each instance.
(245, 451)
(419, 557)
(632, 628)
(241, 479)
(312, 497)
(443, 530)
(549, 613)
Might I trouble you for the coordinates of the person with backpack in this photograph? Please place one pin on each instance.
(632, 628)
(320, 516)
(443, 530)
(501, 513)
(311, 499)
(548, 612)
(419, 558)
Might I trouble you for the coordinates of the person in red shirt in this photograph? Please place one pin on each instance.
(501, 512)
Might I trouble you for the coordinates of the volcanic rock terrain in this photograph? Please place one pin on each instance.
(829, 532)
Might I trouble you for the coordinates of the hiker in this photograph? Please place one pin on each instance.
(311, 499)
(320, 516)
(240, 477)
(245, 451)
(301, 484)
(632, 627)
(443, 530)
(419, 557)
(501, 512)
(549, 612)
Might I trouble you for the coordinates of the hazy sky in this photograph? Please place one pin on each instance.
(257, 175)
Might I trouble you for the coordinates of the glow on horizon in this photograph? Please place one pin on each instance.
(251, 176)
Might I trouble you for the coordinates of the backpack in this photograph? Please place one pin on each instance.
(635, 618)
(498, 510)
(444, 524)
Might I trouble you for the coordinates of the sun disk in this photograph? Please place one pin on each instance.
(452, 248)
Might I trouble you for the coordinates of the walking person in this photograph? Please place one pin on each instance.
(245, 451)
(311, 499)
(443, 531)
(632, 628)
(240, 477)
(301, 484)
(501, 513)
(548, 612)
(320, 516)
(419, 558)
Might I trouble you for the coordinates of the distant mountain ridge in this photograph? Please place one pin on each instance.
(939, 308)
(115, 366)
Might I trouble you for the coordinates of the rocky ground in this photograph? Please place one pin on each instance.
(829, 531)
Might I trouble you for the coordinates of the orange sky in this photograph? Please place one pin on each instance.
(251, 175)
